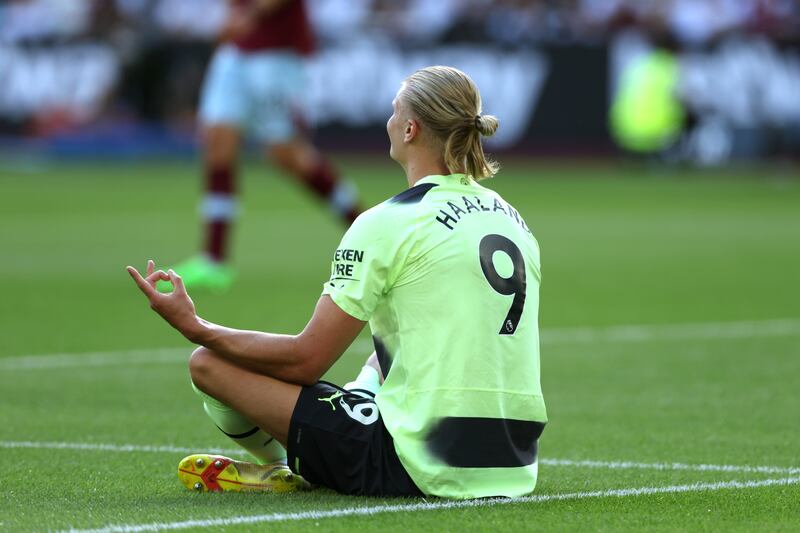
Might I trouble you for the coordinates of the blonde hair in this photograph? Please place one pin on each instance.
(447, 101)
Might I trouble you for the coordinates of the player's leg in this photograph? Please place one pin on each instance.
(267, 402)
(301, 159)
(222, 116)
(255, 411)
(274, 82)
(220, 205)
(262, 446)
(334, 435)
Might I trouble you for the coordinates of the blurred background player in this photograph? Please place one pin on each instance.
(251, 86)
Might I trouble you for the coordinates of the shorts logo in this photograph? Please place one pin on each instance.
(364, 410)
(360, 408)
(333, 396)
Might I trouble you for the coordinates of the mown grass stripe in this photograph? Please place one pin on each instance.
(438, 505)
(614, 465)
(580, 335)
(700, 330)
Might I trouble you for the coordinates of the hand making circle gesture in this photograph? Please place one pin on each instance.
(176, 307)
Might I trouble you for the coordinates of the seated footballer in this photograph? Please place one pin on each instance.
(447, 274)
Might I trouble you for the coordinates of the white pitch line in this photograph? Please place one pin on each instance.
(615, 465)
(438, 505)
(102, 447)
(630, 465)
(107, 358)
(116, 358)
(580, 335)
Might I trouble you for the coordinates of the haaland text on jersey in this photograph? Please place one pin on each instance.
(450, 220)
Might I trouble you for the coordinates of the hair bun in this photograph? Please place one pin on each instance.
(486, 124)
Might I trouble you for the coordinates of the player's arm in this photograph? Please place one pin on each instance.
(301, 358)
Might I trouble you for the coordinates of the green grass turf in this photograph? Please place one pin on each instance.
(620, 245)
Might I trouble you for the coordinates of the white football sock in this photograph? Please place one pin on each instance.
(259, 444)
(368, 379)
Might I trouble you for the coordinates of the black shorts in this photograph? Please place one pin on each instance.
(337, 439)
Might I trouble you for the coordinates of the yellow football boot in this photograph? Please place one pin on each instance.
(215, 473)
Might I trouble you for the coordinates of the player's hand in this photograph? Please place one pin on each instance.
(175, 307)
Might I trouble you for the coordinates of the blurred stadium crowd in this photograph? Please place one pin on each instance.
(513, 22)
(66, 63)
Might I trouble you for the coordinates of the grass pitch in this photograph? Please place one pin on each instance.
(671, 348)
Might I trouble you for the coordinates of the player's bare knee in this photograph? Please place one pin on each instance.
(217, 155)
(283, 157)
(296, 157)
(201, 364)
(220, 146)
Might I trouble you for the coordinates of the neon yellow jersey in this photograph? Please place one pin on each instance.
(447, 273)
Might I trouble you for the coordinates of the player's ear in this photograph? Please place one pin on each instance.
(411, 130)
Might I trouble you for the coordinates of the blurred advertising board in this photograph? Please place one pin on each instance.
(554, 96)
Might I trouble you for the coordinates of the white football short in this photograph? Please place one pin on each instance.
(255, 91)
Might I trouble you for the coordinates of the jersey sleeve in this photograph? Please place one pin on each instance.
(367, 262)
